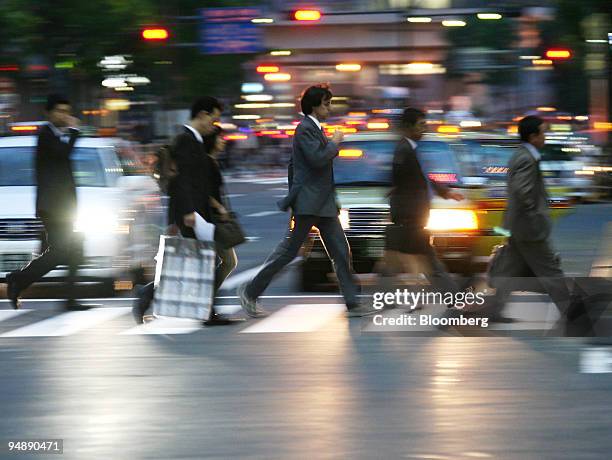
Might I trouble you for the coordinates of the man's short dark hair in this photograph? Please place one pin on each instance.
(411, 116)
(55, 99)
(314, 97)
(529, 125)
(206, 104)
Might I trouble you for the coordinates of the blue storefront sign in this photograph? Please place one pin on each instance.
(230, 31)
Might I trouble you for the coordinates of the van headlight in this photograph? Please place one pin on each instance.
(99, 221)
(344, 219)
(452, 219)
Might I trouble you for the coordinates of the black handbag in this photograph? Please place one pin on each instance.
(228, 232)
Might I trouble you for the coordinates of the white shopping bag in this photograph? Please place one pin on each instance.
(184, 278)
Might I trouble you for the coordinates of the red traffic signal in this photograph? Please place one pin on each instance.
(155, 34)
(558, 53)
(307, 15)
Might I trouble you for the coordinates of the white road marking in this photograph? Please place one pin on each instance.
(253, 238)
(163, 326)
(68, 323)
(171, 326)
(264, 213)
(8, 314)
(231, 196)
(596, 361)
(297, 318)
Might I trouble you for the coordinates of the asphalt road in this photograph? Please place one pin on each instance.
(305, 382)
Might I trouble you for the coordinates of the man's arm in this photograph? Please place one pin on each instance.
(316, 154)
(523, 178)
(182, 182)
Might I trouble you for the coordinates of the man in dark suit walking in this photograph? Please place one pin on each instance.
(191, 190)
(56, 204)
(527, 217)
(407, 241)
(313, 202)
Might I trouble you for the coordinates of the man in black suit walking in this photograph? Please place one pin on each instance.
(313, 201)
(191, 190)
(407, 239)
(56, 204)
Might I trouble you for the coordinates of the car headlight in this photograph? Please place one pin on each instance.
(344, 219)
(98, 221)
(452, 219)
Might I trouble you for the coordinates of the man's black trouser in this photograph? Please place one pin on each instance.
(61, 245)
(535, 260)
(335, 243)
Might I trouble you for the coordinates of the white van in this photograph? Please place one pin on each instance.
(109, 210)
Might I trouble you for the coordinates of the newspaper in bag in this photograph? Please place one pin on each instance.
(184, 278)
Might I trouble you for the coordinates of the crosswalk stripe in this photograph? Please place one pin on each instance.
(167, 326)
(68, 323)
(596, 361)
(163, 326)
(297, 318)
(8, 314)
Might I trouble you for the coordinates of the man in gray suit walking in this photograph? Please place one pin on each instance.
(313, 201)
(527, 217)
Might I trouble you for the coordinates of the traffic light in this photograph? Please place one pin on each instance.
(558, 53)
(157, 33)
(306, 15)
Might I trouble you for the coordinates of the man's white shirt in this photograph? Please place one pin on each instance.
(196, 133)
(315, 120)
(412, 143)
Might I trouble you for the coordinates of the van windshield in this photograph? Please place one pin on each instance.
(17, 167)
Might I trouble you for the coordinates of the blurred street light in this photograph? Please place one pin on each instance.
(118, 62)
(307, 15)
(280, 53)
(558, 54)
(419, 19)
(252, 88)
(155, 34)
(277, 77)
(267, 69)
(258, 97)
(348, 67)
(262, 20)
(453, 23)
(246, 117)
(489, 16)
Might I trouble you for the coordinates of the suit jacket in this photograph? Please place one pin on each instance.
(527, 214)
(56, 190)
(190, 189)
(311, 173)
(409, 195)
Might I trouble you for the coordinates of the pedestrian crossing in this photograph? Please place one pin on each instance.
(291, 314)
